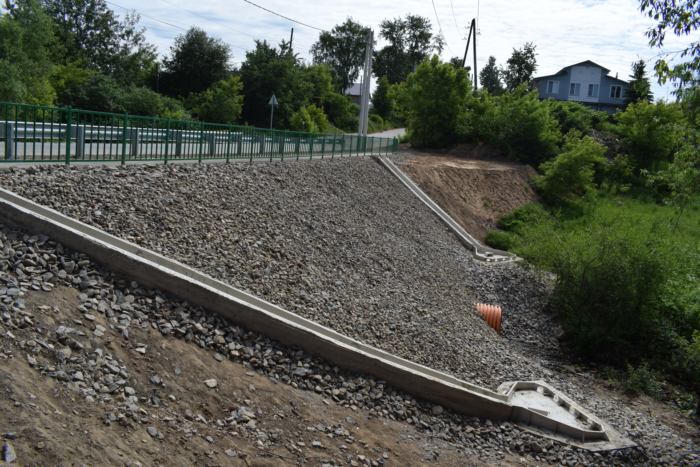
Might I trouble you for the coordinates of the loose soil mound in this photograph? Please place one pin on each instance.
(475, 185)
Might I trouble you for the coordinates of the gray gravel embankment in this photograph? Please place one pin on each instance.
(345, 244)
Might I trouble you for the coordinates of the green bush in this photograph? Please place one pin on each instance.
(569, 176)
(434, 97)
(310, 119)
(574, 116)
(651, 132)
(622, 284)
(499, 240)
(220, 103)
(517, 122)
(528, 214)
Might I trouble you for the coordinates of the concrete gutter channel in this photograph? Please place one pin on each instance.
(482, 253)
(533, 405)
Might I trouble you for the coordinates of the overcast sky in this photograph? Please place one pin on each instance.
(608, 32)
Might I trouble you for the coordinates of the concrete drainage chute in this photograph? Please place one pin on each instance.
(482, 253)
(533, 405)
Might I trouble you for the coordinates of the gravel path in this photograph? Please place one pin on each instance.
(345, 244)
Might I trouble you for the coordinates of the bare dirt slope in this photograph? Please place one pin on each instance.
(473, 184)
(49, 424)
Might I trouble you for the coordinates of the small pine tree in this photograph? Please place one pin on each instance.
(640, 87)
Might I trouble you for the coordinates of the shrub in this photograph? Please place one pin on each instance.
(528, 214)
(650, 132)
(499, 240)
(516, 122)
(569, 176)
(310, 119)
(433, 97)
(619, 285)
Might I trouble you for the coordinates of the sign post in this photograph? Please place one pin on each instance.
(273, 102)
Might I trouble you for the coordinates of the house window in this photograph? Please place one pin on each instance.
(592, 90)
(552, 87)
(575, 89)
(615, 92)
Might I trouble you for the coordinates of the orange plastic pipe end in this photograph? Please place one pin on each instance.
(492, 315)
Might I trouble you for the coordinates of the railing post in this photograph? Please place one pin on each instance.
(178, 144)
(80, 142)
(297, 149)
(167, 142)
(239, 143)
(134, 133)
(69, 124)
(212, 144)
(201, 141)
(323, 147)
(311, 146)
(252, 143)
(124, 133)
(228, 144)
(8, 132)
(283, 140)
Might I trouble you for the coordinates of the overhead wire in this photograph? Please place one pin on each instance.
(146, 16)
(208, 19)
(439, 27)
(453, 15)
(282, 16)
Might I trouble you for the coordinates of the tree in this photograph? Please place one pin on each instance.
(382, 104)
(639, 88)
(490, 77)
(196, 62)
(521, 65)
(410, 42)
(651, 133)
(435, 99)
(26, 38)
(343, 49)
(221, 103)
(681, 17)
(269, 70)
(90, 33)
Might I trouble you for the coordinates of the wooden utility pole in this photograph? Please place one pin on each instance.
(291, 39)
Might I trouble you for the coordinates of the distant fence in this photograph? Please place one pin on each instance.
(45, 134)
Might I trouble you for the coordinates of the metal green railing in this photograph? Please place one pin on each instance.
(37, 134)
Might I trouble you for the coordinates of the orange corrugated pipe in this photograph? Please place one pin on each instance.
(491, 314)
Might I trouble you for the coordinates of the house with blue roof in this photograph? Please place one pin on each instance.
(586, 83)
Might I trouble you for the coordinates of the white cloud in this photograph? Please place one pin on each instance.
(608, 32)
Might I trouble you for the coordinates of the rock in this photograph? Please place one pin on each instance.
(9, 454)
(437, 410)
(153, 431)
(231, 453)
(211, 383)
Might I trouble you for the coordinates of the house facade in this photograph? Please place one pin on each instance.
(586, 83)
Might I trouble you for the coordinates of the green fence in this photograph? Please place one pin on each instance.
(44, 134)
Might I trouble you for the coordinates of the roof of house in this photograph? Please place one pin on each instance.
(564, 71)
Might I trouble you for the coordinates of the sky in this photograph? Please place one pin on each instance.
(610, 33)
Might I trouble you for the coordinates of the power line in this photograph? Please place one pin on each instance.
(439, 27)
(146, 16)
(201, 16)
(453, 15)
(282, 16)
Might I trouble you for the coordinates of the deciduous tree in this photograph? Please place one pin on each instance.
(410, 42)
(343, 49)
(520, 67)
(196, 62)
(681, 18)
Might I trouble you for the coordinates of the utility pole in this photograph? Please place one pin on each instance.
(366, 79)
(472, 31)
(291, 39)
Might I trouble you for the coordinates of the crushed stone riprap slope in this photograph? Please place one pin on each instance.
(343, 243)
(339, 242)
